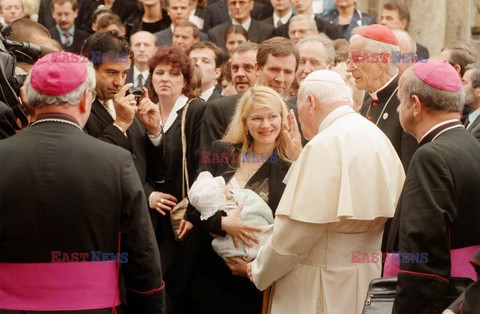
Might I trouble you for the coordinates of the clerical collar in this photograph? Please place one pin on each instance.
(245, 25)
(335, 114)
(374, 95)
(56, 117)
(438, 129)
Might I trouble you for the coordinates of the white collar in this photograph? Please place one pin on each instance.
(336, 113)
(206, 94)
(437, 126)
(245, 25)
(179, 104)
(284, 19)
(374, 95)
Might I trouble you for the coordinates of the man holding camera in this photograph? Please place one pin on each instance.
(114, 117)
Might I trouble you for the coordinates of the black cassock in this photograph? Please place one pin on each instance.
(69, 204)
(438, 211)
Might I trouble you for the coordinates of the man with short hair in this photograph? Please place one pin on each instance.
(209, 59)
(459, 55)
(471, 87)
(282, 12)
(300, 27)
(324, 222)
(178, 11)
(110, 22)
(70, 37)
(305, 7)
(185, 35)
(438, 214)
(316, 53)
(395, 15)
(276, 63)
(143, 47)
(370, 63)
(242, 63)
(241, 10)
(116, 117)
(85, 211)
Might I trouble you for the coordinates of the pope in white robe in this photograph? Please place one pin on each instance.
(340, 191)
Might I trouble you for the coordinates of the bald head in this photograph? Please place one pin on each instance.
(143, 46)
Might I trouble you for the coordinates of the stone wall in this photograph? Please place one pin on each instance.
(434, 23)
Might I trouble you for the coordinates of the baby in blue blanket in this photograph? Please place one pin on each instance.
(208, 195)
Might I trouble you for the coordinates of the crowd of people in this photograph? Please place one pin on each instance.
(358, 142)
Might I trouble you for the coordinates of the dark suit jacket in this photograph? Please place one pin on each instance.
(165, 37)
(78, 38)
(422, 52)
(269, 21)
(100, 125)
(83, 20)
(324, 27)
(437, 212)
(217, 13)
(257, 32)
(82, 193)
(7, 121)
(214, 96)
(474, 128)
(123, 8)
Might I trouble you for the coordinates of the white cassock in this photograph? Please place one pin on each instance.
(339, 194)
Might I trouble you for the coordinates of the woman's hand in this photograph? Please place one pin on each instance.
(162, 202)
(237, 265)
(292, 136)
(237, 229)
(149, 114)
(184, 229)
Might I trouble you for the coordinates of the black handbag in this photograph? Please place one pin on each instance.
(381, 294)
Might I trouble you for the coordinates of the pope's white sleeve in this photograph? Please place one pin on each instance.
(289, 244)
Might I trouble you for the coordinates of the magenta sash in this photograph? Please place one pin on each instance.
(59, 286)
(459, 260)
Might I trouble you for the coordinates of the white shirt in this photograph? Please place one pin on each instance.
(206, 94)
(284, 19)
(245, 25)
(198, 21)
(136, 72)
(472, 117)
(179, 104)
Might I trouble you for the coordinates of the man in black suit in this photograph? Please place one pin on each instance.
(113, 118)
(7, 121)
(276, 63)
(471, 87)
(209, 58)
(282, 13)
(85, 207)
(305, 7)
(143, 46)
(70, 37)
(83, 21)
(241, 10)
(178, 11)
(218, 13)
(437, 214)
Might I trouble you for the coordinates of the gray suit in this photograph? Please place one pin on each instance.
(257, 32)
(164, 38)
